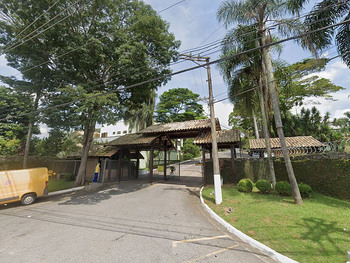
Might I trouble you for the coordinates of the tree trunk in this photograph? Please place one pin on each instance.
(256, 130)
(88, 137)
(30, 132)
(266, 133)
(277, 114)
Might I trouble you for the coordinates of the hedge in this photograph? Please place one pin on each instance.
(327, 176)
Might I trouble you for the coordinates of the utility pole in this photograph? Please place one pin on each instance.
(216, 167)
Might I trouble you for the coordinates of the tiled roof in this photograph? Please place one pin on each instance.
(292, 142)
(180, 126)
(223, 136)
(133, 139)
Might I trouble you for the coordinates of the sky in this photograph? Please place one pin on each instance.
(194, 23)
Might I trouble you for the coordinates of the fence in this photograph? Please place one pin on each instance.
(342, 146)
(110, 170)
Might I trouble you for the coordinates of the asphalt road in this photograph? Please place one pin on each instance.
(129, 222)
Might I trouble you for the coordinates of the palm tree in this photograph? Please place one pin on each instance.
(259, 13)
(138, 117)
(325, 13)
(244, 73)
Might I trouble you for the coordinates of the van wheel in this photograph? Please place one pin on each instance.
(28, 199)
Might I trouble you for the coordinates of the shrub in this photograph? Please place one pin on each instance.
(245, 185)
(305, 190)
(283, 188)
(263, 186)
(69, 177)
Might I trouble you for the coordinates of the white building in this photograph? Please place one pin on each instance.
(110, 132)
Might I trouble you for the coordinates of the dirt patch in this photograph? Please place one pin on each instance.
(251, 232)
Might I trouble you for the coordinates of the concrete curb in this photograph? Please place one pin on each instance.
(265, 249)
(66, 191)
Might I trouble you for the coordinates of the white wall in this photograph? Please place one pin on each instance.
(112, 130)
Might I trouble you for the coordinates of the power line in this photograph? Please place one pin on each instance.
(184, 70)
(256, 87)
(207, 54)
(26, 40)
(20, 33)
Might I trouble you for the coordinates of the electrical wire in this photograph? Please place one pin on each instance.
(183, 71)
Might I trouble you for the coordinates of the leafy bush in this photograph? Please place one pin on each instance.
(263, 186)
(283, 188)
(245, 185)
(69, 177)
(305, 190)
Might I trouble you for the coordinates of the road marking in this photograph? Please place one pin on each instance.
(211, 254)
(197, 239)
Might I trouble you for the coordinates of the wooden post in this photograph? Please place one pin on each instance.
(151, 166)
(120, 164)
(233, 154)
(203, 166)
(103, 171)
(137, 164)
(165, 160)
(110, 163)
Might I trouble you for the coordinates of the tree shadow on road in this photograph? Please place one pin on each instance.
(93, 197)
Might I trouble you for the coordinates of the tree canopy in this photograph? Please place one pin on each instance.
(84, 49)
(179, 104)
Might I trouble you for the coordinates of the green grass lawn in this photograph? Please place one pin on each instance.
(56, 185)
(318, 231)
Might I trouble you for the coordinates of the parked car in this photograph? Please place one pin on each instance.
(23, 185)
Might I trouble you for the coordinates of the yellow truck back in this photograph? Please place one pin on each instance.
(23, 185)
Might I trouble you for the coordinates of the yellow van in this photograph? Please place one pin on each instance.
(23, 185)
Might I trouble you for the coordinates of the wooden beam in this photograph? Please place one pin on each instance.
(137, 164)
(203, 166)
(120, 164)
(151, 165)
(165, 162)
(234, 172)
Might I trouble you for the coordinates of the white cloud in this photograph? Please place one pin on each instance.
(222, 111)
(335, 71)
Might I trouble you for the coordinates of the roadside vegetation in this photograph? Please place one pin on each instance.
(318, 231)
(56, 185)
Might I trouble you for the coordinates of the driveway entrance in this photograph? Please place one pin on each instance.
(129, 222)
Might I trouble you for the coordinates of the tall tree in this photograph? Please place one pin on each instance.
(22, 24)
(110, 44)
(259, 12)
(243, 75)
(325, 13)
(178, 104)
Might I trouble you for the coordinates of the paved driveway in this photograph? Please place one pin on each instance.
(129, 222)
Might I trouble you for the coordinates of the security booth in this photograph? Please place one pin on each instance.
(128, 155)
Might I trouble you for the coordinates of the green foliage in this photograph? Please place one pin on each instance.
(190, 150)
(310, 122)
(305, 190)
(295, 83)
(283, 188)
(69, 177)
(178, 104)
(324, 174)
(245, 185)
(320, 224)
(331, 12)
(263, 186)
(9, 145)
(111, 44)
